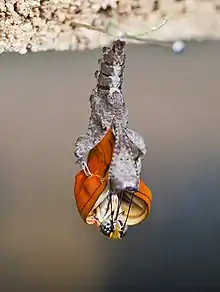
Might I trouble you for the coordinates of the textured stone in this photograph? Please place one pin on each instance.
(40, 25)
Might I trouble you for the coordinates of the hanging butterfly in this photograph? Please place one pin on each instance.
(108, 190)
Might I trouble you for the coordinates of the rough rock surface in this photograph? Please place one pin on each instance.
(41, 25)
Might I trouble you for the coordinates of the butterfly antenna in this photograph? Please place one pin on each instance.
(111, 208)
(119, 204)
(129, 208)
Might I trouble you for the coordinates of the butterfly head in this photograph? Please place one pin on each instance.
(113, 230)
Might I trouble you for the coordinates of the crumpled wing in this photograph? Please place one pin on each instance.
(141, 205)
(87, 189)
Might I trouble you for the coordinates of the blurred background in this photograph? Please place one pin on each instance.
(174, 104)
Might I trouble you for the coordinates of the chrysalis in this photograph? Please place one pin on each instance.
(108, 190)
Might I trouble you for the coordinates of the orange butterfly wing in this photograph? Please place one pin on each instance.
(88, 189)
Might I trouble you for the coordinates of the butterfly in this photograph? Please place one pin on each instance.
(108, 190)
(112, 214)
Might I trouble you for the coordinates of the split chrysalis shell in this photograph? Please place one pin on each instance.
(89, 189)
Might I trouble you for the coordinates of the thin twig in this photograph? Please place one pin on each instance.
(124, 35)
